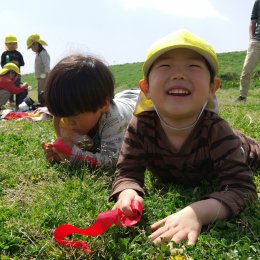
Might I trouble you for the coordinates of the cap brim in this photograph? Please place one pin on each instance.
(147, 65)
(3, 72)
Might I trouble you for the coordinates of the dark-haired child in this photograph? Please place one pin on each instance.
(89, 119)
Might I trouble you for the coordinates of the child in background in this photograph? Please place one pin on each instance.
(41, 64)
(12, 55)
(8, 76)
(87, 117)
(176, 136)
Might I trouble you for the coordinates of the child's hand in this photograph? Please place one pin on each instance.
(52, 155)
(26, 85)
(183, 225)
(124, 201)
(186, 224)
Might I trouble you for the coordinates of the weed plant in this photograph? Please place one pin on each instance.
(36, 197)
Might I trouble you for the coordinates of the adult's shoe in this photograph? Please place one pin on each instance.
(241, 99)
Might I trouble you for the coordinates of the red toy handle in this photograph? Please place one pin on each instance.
(62, 147)
(103, 222)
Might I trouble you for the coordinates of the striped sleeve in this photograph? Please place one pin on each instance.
(237, 189)
(131, 164)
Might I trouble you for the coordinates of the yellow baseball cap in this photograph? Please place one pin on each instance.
(9, 66)
(34, 38)
(181, 39)
(10, 38)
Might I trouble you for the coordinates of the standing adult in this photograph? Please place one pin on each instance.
(253, 52)
(41, 64)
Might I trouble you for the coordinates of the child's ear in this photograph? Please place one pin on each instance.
(106, 105)
(144, 86)
(215, 85)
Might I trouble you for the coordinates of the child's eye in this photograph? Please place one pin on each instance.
(195, 65)
(163, 65)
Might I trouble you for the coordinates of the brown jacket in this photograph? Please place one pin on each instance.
(212, 151)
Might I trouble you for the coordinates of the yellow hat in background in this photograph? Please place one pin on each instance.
(9, 66)
(181, 39)
(10, 39)
(34, 38)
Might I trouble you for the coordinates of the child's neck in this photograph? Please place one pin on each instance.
(178, 131)
(181, 126)
(177, 138)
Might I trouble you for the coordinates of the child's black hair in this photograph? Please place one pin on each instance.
(78, 84)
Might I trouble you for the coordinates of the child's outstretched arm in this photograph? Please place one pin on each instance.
(187, 223)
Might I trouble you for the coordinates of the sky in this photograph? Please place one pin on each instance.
(121, 31)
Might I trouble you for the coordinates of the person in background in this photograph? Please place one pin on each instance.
(13, 55)
(176, 134)
(8, 76)
(41, 64)
(253, 53)
(88, 117)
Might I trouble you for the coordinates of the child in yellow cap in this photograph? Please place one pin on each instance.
(41, 64)
(8, 76)
(177, 134)
(13, 55)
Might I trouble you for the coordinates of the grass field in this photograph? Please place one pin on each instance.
(36, 197)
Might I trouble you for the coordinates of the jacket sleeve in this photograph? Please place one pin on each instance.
(3, 61)
(237, 189)
(10, 87)
(131, 163)
(45, 61)
(21, 60)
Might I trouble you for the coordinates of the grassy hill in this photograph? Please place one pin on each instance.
(36, 197)
(128, 75)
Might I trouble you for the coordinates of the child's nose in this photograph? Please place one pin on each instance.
(177, 75)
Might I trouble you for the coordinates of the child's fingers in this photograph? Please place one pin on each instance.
(160, 233)
(124, 204)
(43, 145)
(62, 156)
(192, 238)
(46, 146)
(158, 224)
(126, 207)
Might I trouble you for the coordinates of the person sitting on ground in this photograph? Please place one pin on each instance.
(8, 76)
(175, 135)
(88, 118)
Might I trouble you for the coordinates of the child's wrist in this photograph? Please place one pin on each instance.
(127, 192)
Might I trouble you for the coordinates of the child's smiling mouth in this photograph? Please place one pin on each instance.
(178, 92)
